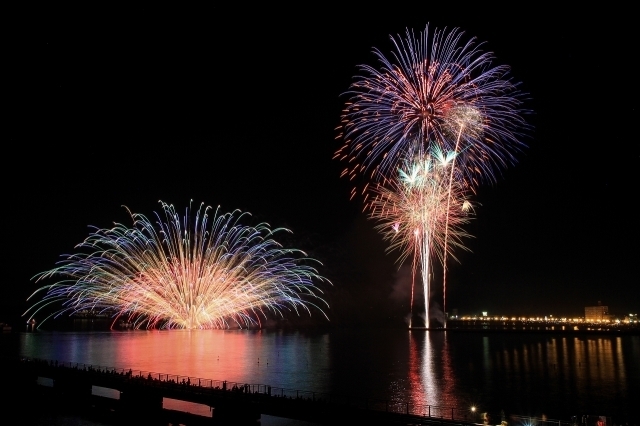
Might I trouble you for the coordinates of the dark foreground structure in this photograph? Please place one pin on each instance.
(68, 389)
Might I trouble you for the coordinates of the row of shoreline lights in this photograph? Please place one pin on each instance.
(630, 319)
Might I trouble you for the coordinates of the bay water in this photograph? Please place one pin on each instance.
(541, 375)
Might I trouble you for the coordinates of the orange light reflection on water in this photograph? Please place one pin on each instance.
(195, 353)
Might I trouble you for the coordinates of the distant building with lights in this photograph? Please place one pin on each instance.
(631, 318)
(598, 313)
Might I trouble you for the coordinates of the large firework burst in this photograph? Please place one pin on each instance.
(183, 273)
(421, 213)
(436, 92)
(434, 89)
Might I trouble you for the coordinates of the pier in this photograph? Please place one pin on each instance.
(140, 396)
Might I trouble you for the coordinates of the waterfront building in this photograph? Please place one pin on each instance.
(598, 313)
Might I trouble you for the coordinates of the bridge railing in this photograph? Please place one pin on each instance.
(355, 401)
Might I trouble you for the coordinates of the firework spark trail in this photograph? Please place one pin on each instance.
(419, 210)
(183, 273)
(469, 120)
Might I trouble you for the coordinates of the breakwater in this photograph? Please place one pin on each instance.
(541, 325)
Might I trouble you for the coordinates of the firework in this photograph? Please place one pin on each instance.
(184, 273)
(419, 210)
(435, 93)
(434, 90)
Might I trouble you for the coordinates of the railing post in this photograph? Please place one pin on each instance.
(407, 408)
(429, 410)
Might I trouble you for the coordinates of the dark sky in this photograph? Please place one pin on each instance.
(237, 106)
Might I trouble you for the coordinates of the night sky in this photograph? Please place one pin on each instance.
(238, 106)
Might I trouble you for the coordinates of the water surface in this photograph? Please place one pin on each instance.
(529, 374)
